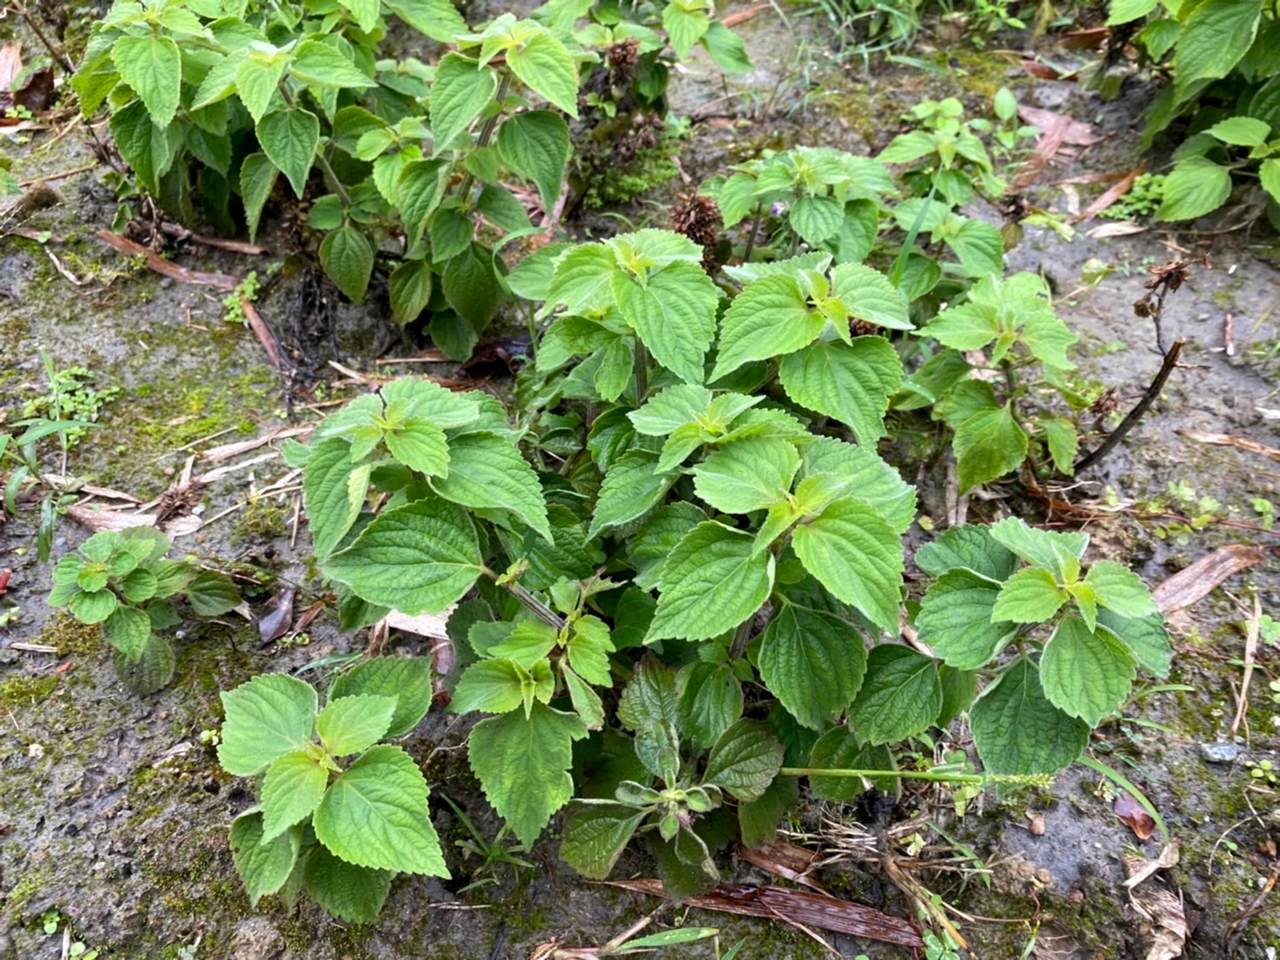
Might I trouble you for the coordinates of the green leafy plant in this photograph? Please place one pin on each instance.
(339, 812)
(1220, 57)
(944, 152)
(125, 581)
(1010, 584)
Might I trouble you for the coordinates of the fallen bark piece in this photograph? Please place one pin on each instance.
(1074, 132)
(157, 263)
(1189, 586)
(1110, 195)
(783, 859)
(1230, 440)
(794, 906)
(228, 450)
(97, 520)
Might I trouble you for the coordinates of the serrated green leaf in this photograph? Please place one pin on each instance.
(354, 723)
(151, 670)
(1196, 186)
(92, 607)
(816, 219)
(1214, 38)
(747, 475)
(595, 835)
(674, 314)
(317, 64)
(710, 701)
(535, 144)
(462, 89)
(851, 382)
(859, 472)
(375, 815)
(263, 868)
(769, 318)
(987, 446)
(968, 547)
(1125, 11)
(651, 545)
(955, 620)
(490, 686)
(1031, 595)
(257, 180)
(212, 594)
(407, 679)
(840, 748)
(127, 629)
(291, 791)
(711, 583)
(857, 556)
(1044, 548)
(1120, 590)
(152, 66)
(289, 138)
(813, 662)
(486, 470)
(1085, 674)
(744, 760)
(417, 558)
(870, 296)
(1145, 637)
(1018, 731)
(410, 288)
(350, 893)
(266, 717)
(630, 489)
(544, 65)
(347, 258)
(901, 695)
(523, 765)
(333, 491)
(438, 19)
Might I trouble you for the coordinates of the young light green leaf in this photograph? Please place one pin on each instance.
(462, 89)
(1120, 590)
(1031, 595)
(857, 556)
(667, 410)
(354, 723)
(1044, 548)
(417, 558)
(851, 382)
(317, 64)
(1194, 187)
(406, 679)
(544, 65)
(870, 296)
(711, 583)
(813, 662)
(438, 19)
(651, 545)
(375, 815)
(955, 620)
(747, 475)
(523, 765)
(901, 695)
(291, 791)
(1018, 731)
(1086, 674)
(266, 717)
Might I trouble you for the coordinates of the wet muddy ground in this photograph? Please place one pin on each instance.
(113, 811)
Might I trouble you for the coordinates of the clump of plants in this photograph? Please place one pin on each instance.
(1219, 60)
(702, 602)
(126, 581)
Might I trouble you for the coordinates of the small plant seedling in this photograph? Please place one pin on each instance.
(125, 581)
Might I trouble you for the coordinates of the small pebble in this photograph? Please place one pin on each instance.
(1219, 752)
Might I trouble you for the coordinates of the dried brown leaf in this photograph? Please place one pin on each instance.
(1192, 584)
(1128, 809)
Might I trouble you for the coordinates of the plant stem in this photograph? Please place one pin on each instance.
(486, 133)
(936, 776)
(755, 229)
(642, 370)
(536, 606)
(1131, 420)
